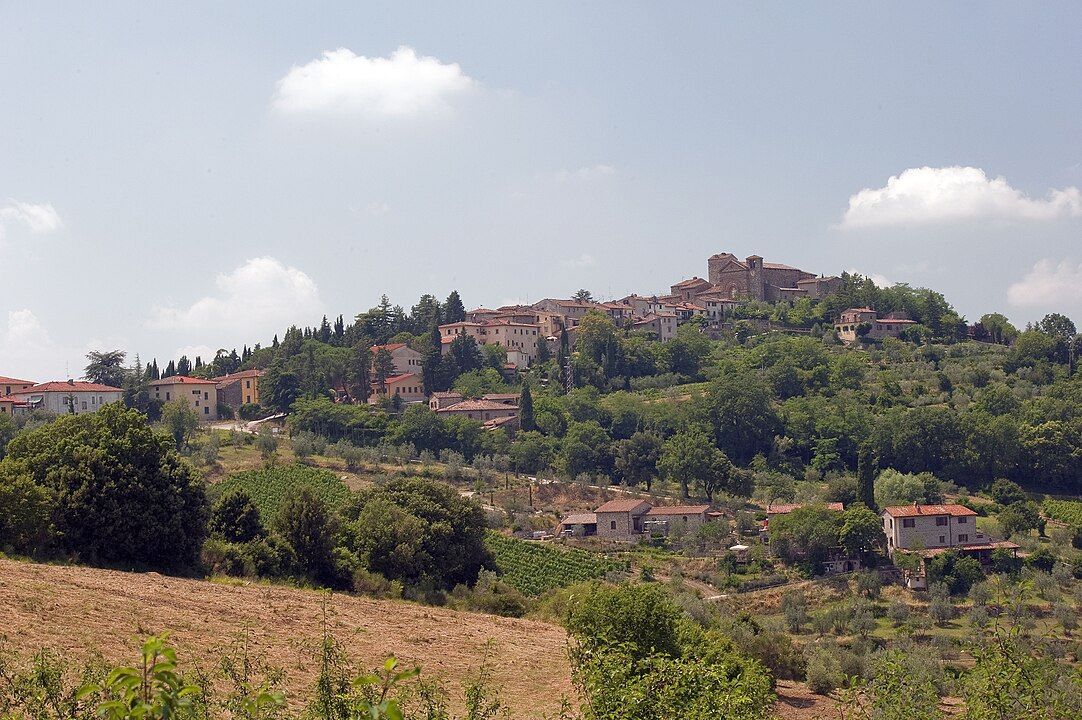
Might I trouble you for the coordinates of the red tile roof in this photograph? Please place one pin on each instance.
(678, 510)
(66, 387)
(925, 510)
(621, 506)
(467, 405)
(580, 519)
(239, 375)
(183, 380)
(779, 266)
(400, 377)
(783, 508)
(389, 348)
(13, 381)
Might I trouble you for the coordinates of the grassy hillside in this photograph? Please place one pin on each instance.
(84, 611)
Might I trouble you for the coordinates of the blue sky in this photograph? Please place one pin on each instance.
(185, 176)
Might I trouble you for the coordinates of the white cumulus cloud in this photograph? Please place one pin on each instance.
(879, 280)
(254, 301)
(341, 82)
(1049, 285)
(586, 172)
(37, 218)
(926, 195)
(584, 260)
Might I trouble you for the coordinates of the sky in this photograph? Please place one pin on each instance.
(182, 177)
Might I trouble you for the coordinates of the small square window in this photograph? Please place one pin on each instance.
(942, 539)
(941, 521)
(963, 520)
(963, 538)
(612, 524)
(908, 522)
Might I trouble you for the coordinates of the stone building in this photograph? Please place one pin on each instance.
(754, 278)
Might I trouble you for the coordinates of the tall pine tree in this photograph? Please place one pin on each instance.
(866, 476)
(453, 310)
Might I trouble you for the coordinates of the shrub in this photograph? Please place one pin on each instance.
(121, 492)
(235, 518)
(824, 671)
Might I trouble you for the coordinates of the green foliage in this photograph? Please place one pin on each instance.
(861, 531)
(268, 486)
(181, 421)
(308, 524)
(154, 690)
(235, 518)
(690, 458)
(118, 491)
(806, 534)
(957, 572)
(535, 568)
(418, 531)
(1011, 681)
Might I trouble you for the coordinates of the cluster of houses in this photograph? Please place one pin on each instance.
(923, 530)
(75, 397)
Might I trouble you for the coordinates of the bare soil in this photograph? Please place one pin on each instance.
(86, 611)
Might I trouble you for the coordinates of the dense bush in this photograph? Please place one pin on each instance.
(117, 491)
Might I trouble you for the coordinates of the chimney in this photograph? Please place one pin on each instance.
(71, 381)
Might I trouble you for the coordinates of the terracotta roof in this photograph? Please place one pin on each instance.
(443, 394)
(678, 510)
(995, 545)
(895, 321)
(779, 266)
(183, 380)
(860, 310)
(690, 281)
(621, 506)
(580, 519)
(239, 375)
(467, 405)
(399, 378)
(480, 310)
(783, 508)
(500, 421)
(13, 381)
(66, 387)
(500, 396)
(925, 510)
(389, 348)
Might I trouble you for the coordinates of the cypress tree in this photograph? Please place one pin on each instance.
(866, 476)
(525, 410)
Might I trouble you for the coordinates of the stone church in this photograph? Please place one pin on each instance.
(752, 278)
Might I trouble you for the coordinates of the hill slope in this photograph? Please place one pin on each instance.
(85, 610)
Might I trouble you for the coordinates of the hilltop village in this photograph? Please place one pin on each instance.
(813, 477)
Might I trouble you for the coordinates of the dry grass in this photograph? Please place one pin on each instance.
(86, 611)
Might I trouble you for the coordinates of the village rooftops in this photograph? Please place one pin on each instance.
(69, 386)
(13, 381)
(907, 511)
(389, 348)
(182, 380)
(621, 506)
(398, 378)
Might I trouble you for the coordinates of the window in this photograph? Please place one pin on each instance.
(908, 522)
(963, 538)
(195, 392)
(942, 539)
(941, 521)
(206, 396)
(247, 384)
(167, 395)
(612, 525)
(206, 411)
(84, 405)
(963, 519)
